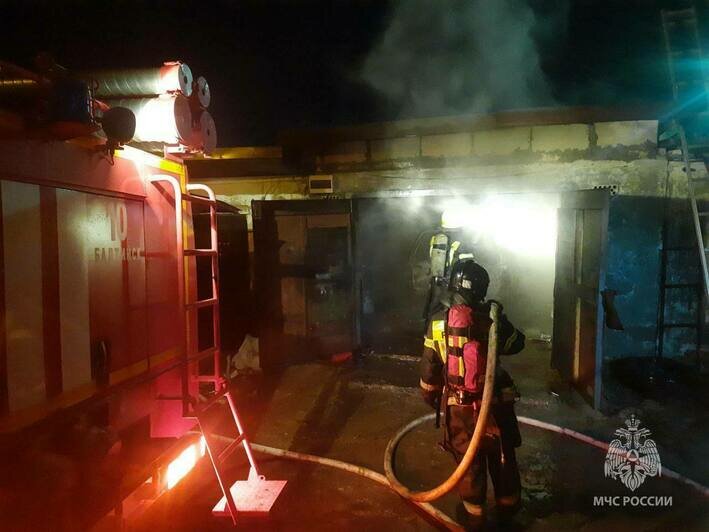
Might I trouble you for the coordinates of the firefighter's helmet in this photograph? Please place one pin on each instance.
(470, 280)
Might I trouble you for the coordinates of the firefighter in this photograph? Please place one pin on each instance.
(453, 373)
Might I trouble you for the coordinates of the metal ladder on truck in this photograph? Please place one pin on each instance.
(256, 495)
(690, 90)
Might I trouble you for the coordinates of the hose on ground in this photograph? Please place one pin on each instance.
(431, 510)
(452, 481)
(666, 472)
(421, 498)
(578, 436)
(434, 512)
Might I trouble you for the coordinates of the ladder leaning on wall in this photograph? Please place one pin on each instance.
(690, 91)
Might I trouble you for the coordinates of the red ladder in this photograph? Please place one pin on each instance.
(255, 495)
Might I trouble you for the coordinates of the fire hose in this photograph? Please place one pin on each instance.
(422, 498)
(456, 476)
(436, 514)
(452, 481)
(431, 510)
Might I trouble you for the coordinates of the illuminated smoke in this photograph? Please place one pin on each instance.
(446, 57)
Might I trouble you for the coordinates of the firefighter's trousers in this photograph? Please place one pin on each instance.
(496, 455)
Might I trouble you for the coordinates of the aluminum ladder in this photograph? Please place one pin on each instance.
(690, 90)
(698, 217)
(256, 495)
(689, 79)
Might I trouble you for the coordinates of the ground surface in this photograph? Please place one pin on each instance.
(349, 412)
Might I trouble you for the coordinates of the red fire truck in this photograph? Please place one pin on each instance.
(109, 339)
(99, 361)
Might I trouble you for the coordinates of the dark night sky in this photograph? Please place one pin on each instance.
(275, 64)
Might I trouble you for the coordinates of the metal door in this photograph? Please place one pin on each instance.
(304, 267)
(577, 350)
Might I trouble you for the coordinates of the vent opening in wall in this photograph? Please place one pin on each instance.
(320, 184)
(614, 189)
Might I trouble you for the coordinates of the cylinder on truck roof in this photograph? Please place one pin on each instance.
(166, 119)
(204, 96)
(209, 132)
(204, 134)
(169, 78)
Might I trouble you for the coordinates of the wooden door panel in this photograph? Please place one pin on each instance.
(591, 256)
(585, 360)
(576, 350)
(293, 306)
(564, 310)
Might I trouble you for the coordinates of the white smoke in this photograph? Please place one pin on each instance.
(452, 57)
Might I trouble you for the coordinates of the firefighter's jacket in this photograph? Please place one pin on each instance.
(510, 341)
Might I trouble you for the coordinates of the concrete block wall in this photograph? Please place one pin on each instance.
(501, 141)
(626, 133)
(539, 158)
(448, 145)
(346, 152)
(560, 137)
(624, 140)
(396, 148)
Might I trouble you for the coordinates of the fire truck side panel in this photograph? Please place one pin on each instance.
(75, 167)
(92, 328)
(24, 346)
(88, 276)
(73, 290)
(116, 286)
(161, 287)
